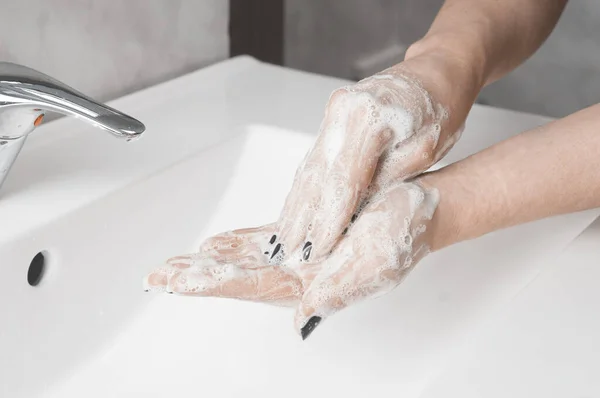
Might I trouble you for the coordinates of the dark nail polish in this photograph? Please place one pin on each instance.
(273, 239)
(345, 231)
(310, 326)
(276, 250)
(353, 218)
(306, 251)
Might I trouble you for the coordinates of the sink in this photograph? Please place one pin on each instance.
(544, 343)
(221, 147)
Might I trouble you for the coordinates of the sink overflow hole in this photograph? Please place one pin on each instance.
(36, 269)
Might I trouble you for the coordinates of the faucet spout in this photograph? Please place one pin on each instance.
(26, 94)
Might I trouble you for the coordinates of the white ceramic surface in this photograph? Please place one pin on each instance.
(220, 151)
(545, 343)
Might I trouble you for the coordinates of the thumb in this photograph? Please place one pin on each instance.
(308, 315)
(319, 301)
(341, 285)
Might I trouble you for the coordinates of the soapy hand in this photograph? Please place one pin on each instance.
(383, 129)
(386, 241)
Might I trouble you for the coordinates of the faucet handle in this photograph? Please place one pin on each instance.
(23, 87)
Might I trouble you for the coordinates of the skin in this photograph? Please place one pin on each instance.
(548, 171)
(504, 185)
(361, 214)
(388, 239)
(332, 183)
(471, 44)
(490, 37)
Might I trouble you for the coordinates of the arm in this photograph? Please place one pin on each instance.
(473, 43)
(361, 147)
(547, 171)
(551, 170)
(492, 37)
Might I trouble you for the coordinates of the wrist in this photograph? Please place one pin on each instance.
(453, 81)
(454, 215)
(460, 57)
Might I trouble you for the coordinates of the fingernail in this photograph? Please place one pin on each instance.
(345, 231)
(310, 326)
(306, 251)
(276, 250)
(353, 218)
(273, 239)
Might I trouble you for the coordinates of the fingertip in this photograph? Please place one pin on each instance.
(306, 251)
(310, 326)
(176, 283)
(306, 320)
(304, 312)
(180, 260)
(154, 282)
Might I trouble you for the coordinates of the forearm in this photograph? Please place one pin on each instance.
(491, 36)
(551, 170)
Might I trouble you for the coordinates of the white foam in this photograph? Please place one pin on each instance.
(384, 244)
(383, 129)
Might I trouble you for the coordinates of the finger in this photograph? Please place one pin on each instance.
(404, 160)
(270, 284)
(385, 243)
(351, 282)
(413, 156)
(157, 279)
(243, 247)
(250, 244)
(294, 221)
(304, 198)
(344, 188)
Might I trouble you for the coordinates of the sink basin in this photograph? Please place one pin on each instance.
(221, 148)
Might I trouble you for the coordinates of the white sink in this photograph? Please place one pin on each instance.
(542, 344)
(220, 151)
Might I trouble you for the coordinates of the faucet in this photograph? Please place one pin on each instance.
(26, 95)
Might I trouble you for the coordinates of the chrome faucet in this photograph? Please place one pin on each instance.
(25, 96)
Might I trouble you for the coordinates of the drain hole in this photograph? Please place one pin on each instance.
(36, 269)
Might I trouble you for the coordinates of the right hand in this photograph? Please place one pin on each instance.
(383, 129)
(394, 232)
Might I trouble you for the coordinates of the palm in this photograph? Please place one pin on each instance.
(385, 242)
(235, 264)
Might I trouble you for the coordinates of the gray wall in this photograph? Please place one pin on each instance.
(329, 36)
(564, 75)
(107, 48)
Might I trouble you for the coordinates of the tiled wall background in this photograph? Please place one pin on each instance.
(328, 36)
(107, 48)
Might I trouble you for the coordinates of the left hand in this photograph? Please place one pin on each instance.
(388, 238)
(386, 128)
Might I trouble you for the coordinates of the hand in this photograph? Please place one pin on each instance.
(388, 238)
(383, 129)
